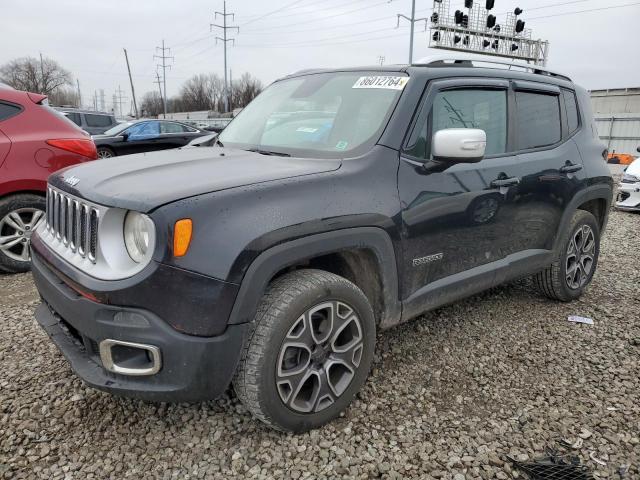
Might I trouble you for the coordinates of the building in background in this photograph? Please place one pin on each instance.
(617, 115)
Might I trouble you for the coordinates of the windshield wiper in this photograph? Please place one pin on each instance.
(267, 152)
(217, 141)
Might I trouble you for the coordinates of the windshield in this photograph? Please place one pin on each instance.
(118, 128)
(323, 115)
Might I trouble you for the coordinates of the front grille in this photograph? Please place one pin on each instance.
(73, 222)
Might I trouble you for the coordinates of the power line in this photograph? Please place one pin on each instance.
(225, 40)
(164, 66)
(585, 11)
(325, 17)
(273, 11)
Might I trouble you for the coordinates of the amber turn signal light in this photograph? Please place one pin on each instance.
(182, 237)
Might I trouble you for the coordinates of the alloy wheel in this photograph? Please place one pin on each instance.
(104, 154)
(319, 357)
(15, 232)
(581, 253)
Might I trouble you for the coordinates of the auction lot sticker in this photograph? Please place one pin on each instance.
(389, 83)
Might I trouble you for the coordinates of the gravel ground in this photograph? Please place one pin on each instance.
(502, 373)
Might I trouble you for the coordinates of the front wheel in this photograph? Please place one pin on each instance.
(104, 152)
(309, 353)
(20, 215)
(568, 276)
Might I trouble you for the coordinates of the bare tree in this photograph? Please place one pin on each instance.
(201, 92)
(151, 105)
(244, 90)
(33, 75)
(64, 96)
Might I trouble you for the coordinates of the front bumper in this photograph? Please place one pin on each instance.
(628, 197)
(192, 368)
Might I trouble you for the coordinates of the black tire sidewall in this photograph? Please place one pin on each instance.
(282, 415)
(581, 218)
(9, 204)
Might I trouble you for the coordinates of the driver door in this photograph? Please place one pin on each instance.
(142, 137)
(454, 216)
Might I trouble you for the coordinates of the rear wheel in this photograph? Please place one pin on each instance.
(20, 215)
(309, 353)
(105, 152)
(568, 276)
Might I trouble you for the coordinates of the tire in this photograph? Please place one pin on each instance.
(19, 216)
(559, 281)
(105, 152)
(270, 378)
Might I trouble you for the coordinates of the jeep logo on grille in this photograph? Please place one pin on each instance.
(73, 181)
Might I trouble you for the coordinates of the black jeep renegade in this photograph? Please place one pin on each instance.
(337, 203)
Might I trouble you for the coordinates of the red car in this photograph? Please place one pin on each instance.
(35, 141)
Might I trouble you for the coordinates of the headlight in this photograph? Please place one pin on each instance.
(627, 178)
(138, 232)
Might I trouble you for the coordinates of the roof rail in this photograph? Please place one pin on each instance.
(467, 60)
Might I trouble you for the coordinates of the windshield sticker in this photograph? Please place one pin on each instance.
(389, 83)
(307, 129)
(342, 145)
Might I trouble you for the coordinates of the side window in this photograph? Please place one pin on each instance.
(537, 119)
(571, 106)
(8, 110)
(463, 108)
(144, 130)
(74, 117)
(168, 127)
(97, 120)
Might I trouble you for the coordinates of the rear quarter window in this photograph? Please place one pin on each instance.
(8, 110)
(94, 120)
(537, 119)
(571, 106)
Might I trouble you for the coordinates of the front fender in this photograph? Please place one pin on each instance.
(273, 260)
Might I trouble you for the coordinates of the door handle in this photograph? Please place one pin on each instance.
(505, 182)
(570, 168)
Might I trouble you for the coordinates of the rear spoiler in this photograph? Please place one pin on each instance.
(37, 98)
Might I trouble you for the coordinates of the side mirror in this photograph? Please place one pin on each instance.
(638, 149)
(459, 145)
(125, 136)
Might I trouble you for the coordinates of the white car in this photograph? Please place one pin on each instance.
(629, 188)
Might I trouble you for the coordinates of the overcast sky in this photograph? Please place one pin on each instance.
(598, 49)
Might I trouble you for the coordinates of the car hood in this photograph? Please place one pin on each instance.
(145, 181)
(634, 168)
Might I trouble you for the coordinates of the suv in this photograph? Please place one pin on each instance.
(35, 141)
(91, 122)
(338, 203)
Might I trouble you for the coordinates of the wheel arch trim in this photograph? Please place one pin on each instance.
(270, 262)
(593, 192)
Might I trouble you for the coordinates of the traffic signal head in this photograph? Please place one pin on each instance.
(436, 37)
(497, 28)
(495, 44)
(491, 21)
(519, 26)
(517, 11)
(485, 43)
(514, 47)
(468, 3)
(490, 4)
(456, 39)
(458, 17)
(466, 40)
(434, 17)
(465, 21)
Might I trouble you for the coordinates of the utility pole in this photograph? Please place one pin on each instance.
(79, 94)
(119, 93)
(133, 92)
(95, 100)
(381, 59)
(42, 74)
(160, 89)
(102, 102)
(164, 66)
(225, 40)
(413, 21)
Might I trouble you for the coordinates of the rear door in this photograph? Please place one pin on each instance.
(549, 169)
(7, 110)
(174, 135)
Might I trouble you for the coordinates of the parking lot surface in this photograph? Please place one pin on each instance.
(451, 394)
